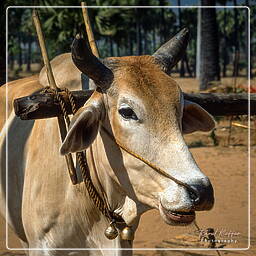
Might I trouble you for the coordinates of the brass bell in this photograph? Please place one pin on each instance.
(111, 232)
(127, 233)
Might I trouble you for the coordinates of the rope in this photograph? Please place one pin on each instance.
(100, 203)
(93, 193)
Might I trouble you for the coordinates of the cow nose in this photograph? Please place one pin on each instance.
(202, 197)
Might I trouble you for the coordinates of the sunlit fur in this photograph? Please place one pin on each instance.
(54, 213)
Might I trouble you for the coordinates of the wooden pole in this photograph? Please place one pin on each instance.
(52, 83)
(89, 30)
(41, 40)
(43, 105)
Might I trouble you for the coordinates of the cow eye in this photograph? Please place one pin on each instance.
(127, 113)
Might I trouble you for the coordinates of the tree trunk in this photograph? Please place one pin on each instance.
(117, 50)
(138, 32)
(29, 54)
(20, 52)
(224, 71)
(146, 43)
(161, 32)
(11, 60)
(130, 44)
(194, 61)
(236, 42)
(248, 71)
(187, 64)
(154, 38)
(198, 42)
(163, 23)
(111, 47)
(182, 66)
(209, 57)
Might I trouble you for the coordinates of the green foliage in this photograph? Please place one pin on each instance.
(119, 31)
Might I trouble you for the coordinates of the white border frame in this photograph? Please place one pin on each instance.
(135, 249)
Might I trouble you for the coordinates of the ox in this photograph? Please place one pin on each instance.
(139, 105)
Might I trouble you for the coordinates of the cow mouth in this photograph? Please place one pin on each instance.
(177, 217)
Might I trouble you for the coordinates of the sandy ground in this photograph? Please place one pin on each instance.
(227, 167)
(228, 171)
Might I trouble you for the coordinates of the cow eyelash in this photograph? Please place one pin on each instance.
(127, 113)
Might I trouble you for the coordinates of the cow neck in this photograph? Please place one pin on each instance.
(112, 215)
(115, 221)
(98, 183)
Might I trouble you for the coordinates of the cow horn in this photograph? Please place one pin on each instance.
(172, 51)
(89, 64)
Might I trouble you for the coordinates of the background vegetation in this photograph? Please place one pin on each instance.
(136, 31)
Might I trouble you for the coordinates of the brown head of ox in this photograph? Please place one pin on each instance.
(143, 108)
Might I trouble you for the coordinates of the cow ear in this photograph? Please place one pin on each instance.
(83, 128)
(195, 118)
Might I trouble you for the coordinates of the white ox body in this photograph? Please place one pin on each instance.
(66, 74)
(46, 211)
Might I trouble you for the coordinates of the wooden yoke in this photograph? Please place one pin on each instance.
(52, 83)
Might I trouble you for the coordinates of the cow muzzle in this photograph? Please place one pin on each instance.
(178, 204)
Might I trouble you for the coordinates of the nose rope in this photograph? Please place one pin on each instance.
(153, 166)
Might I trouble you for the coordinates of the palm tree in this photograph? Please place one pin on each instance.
(209, 46)
(224, 32)
(236, 41)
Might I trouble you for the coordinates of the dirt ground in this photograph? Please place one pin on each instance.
(227, 168)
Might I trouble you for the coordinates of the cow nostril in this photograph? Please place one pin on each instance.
(202, 197)
(194, 196)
